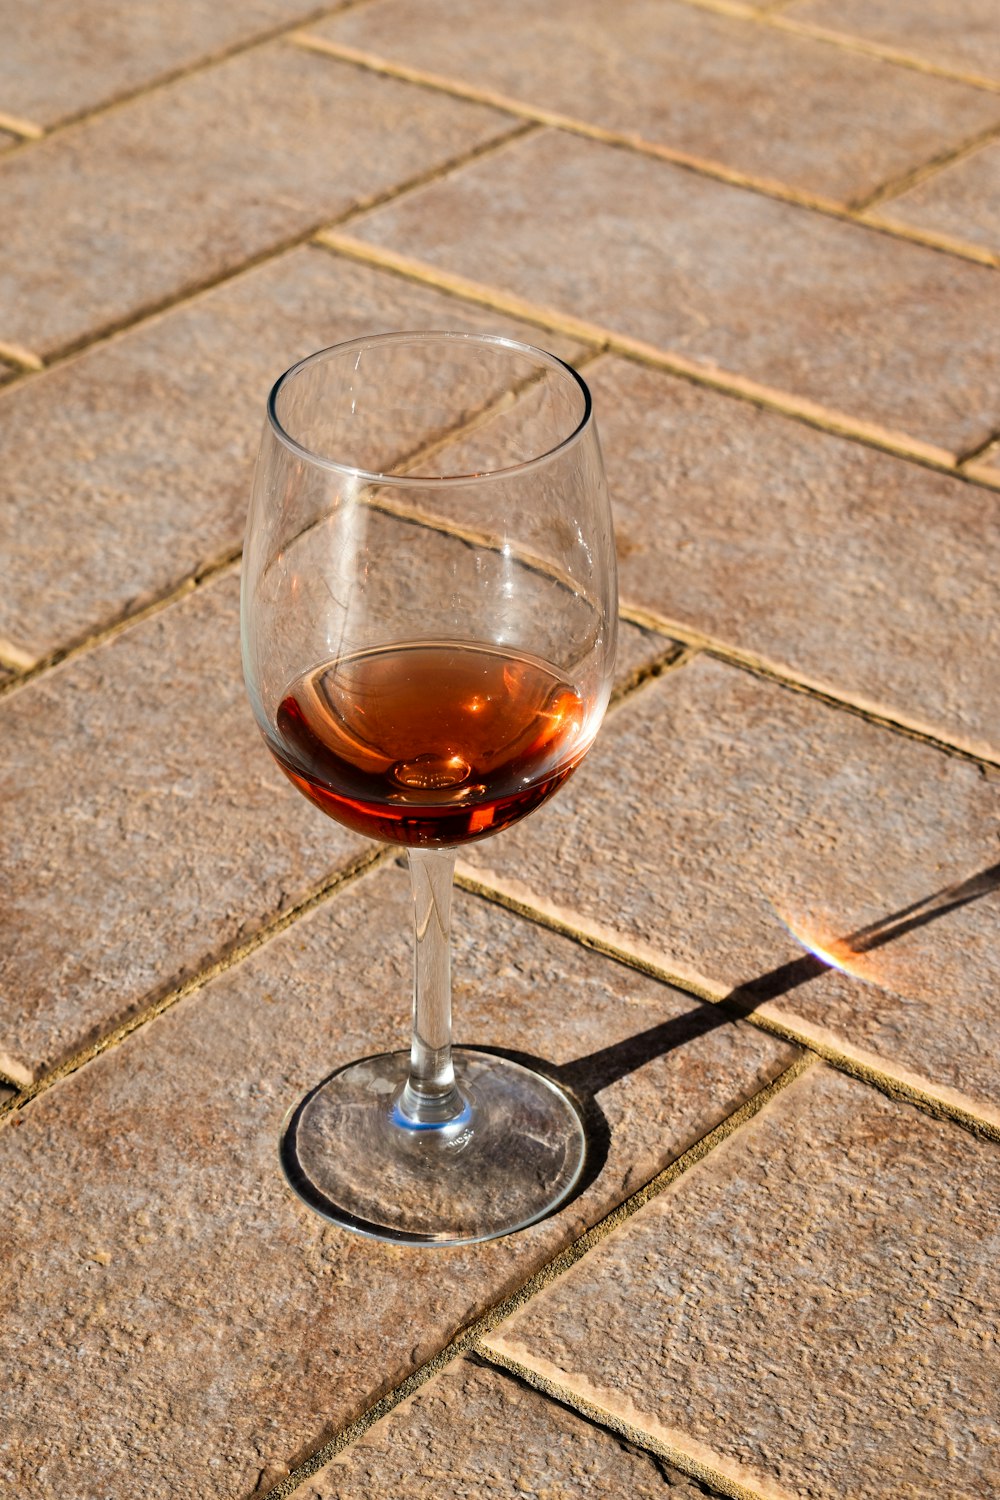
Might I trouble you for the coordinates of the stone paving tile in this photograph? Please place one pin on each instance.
(759, 100)
(64, 56)
(961, 201)
(842, 564)
(139, 451)
(725, 827)
(145, 828)
(813, 1303)
(959, 34)
(178, 1323)
(890, 333)
(186, 183)
(474, 1432)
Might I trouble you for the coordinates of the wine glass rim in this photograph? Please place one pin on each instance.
(443, 336)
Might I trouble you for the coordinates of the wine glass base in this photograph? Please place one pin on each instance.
(514, 1157)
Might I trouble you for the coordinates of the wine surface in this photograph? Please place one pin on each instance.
(430, 743)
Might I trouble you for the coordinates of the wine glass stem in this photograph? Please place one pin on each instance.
(430, 1097)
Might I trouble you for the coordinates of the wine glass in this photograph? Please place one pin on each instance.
(429, 617)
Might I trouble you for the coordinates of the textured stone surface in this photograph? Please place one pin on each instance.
(474, 1432)
(891, 333)
(192, 180)
(63, 56)
(814, 1303)
(961, 201)
(959, 34)
(759, 100)
(162, 1280)
(730, 826)
(145, 827)
(140, 451)
(842, 564)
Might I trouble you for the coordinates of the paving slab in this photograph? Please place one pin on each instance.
(812, 1305)
(140, 450)
(454, 1438)
(715, 87)
(961, 202)
(892, 334)
(959, 34)
(66, 56)
(135, 207)
(729, 828)
(848, 567)
(178, 1322)
(146, 829)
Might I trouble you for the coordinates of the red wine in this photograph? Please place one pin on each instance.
(430, 743)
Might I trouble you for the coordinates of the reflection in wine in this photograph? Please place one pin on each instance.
(430, 743)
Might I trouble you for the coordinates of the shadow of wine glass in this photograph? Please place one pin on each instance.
(586, 1077)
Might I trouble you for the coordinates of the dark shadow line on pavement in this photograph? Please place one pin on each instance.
(586, 1077)
(598, 1070)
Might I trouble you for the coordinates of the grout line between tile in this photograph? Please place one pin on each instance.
(851, 43)
(965, 249)
(154, 309)
(29, 668)
(138, 317)
(26, 129)
(873, 713)
(555, 119)
(14, 658)
(803, 410)
(468, 1338)
(229, 958)
(31, 132)
(674, 656)
(697, 1461)
(733, 10)
(773, 17)
(810, 413)
(767, 187)
(985, 474)
(974, 454)
(895, 186)
(16, 354)
(900, 1084)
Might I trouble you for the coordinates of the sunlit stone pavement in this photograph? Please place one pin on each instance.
(756, 932)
